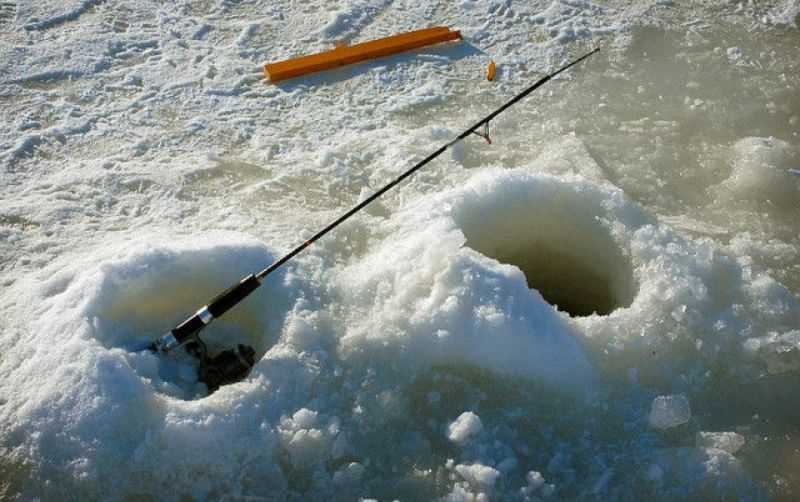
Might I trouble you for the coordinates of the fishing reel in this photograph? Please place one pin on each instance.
(229, 366)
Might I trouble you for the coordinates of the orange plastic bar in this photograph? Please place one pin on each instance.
(357, 53)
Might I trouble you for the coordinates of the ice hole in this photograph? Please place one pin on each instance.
(562, 279)
(560, 245)
(136, 303)
(148, 308)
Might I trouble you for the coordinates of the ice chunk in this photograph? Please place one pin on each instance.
(305, 447)
(535, 481)
(304, 419)
(725, 441)
(308, 439)
(734, 54)
(465, 426)
(350, 472)
(703, 471)
(670, 411)
(781, 352)
(478, 476)
(568, 154)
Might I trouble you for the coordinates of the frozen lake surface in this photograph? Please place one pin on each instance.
(605, 302)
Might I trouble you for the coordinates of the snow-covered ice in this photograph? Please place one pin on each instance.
(603, 303)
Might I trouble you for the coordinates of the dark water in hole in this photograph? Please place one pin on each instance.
(563, 281)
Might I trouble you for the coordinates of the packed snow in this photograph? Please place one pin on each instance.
(604, 302)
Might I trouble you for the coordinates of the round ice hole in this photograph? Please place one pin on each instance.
(142, 296)
(555, 235)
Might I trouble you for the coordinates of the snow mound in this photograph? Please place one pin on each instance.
(100, 403)
(421, 291)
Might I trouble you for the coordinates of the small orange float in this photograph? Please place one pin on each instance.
(345, 55)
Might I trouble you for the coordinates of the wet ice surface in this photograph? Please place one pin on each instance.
(602, 303)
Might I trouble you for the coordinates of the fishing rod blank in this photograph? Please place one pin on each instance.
(189, 329)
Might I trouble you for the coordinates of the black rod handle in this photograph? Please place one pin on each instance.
(215, 308)
(233, 295)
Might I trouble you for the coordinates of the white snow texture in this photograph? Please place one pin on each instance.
(601, 303)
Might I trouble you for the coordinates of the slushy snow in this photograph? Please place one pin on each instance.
(603, 303)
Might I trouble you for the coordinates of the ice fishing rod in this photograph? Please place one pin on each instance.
(233, 365)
